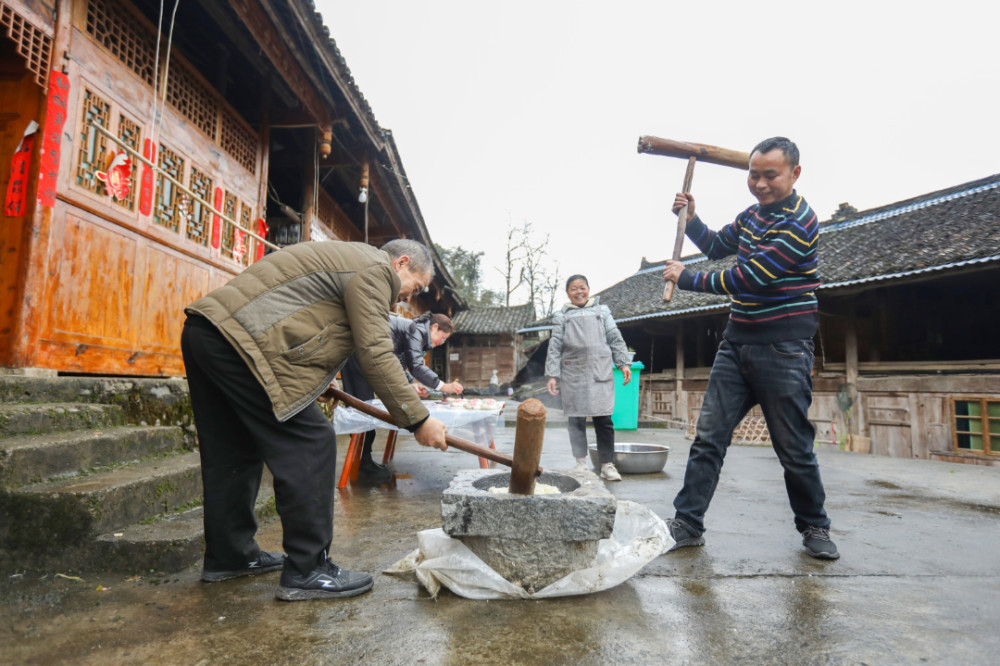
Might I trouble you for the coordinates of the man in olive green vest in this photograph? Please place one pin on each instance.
(259, 351)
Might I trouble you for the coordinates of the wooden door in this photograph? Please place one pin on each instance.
(20, 99)
(889, 424)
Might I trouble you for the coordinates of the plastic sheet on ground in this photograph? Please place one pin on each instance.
(639, 537)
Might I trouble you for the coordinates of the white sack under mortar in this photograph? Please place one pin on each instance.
(639, 536)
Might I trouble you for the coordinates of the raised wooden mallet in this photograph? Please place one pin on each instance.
(693, 152)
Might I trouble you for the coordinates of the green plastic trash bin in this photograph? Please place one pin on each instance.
(626, 413)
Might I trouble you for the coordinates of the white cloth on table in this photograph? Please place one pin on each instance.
(476, 425)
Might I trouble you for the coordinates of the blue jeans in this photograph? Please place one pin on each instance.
(777, 377)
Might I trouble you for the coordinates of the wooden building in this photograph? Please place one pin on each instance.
(485, 340)
(907, 354)
(255, 135)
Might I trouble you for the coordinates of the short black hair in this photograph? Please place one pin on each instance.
(785, 145)
(576, 277)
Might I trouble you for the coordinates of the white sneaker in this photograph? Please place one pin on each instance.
(581, 465)
(610, 472)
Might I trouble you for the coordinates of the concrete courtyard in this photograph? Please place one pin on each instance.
(918, 581)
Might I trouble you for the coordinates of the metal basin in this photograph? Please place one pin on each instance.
(635, 458)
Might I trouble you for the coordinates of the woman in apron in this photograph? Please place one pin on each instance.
(583, 350)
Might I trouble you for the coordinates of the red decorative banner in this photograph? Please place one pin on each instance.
(216, 220)
(146, 181)
(55, 117)
(17, 188)
(262, 232)
(117, 179)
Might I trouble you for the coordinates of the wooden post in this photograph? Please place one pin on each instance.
(34, 258)
(680, 397)
(527, 447)
(851, 368)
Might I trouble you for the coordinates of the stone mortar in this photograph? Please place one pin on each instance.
(531, 540)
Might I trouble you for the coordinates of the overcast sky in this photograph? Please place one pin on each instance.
(514, 111)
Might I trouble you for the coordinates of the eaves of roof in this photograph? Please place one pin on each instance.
(949, 230)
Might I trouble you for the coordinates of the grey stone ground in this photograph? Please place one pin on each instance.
(918, 582)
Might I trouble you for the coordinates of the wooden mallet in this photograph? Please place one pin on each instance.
(694, 152)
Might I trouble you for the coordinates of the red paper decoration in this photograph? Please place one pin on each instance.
(18, 185)
(146, 180)
(55, 118)
(216, 220)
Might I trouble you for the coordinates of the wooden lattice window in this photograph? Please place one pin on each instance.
(200, 220)
(116, 29)
(130, 134)
(195, 101)
(230, 207)
(977, 424)
(32, 44)
(92, 153)
(246, 218)
(168, 212)
(238, 141)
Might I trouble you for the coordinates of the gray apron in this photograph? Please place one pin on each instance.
(586, 378)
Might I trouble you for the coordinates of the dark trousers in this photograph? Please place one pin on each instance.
(777, 377)
(356, 384)
(237, 435)
(604, 428)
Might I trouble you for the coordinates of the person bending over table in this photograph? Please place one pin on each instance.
(411, 338)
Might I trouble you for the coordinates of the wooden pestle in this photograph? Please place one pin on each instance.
(528, 439)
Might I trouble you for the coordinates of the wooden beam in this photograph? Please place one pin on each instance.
(268, 36)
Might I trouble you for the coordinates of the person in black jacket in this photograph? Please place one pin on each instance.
(411, 339)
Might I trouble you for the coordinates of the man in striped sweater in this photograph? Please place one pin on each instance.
(766, 355)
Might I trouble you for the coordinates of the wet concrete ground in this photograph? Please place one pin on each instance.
(918, 582)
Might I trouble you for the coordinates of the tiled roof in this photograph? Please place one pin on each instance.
(944, 230)
(487, 321)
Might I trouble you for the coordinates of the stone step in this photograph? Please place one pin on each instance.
(72, 511)
(32, 459)
(32, 419)
(172, 543)
(153, 401)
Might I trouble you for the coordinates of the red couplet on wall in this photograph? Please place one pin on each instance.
(216, 220)
(262, 232)
(17, 188)
(55, 118)
(146, 181)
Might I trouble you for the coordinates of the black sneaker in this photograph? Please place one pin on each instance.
(327, 581)
(264, 563)
(817, 543)
(683, 534)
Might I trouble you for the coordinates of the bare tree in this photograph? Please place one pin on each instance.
(512, 262)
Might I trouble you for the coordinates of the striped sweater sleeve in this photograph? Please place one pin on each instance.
(776, 253)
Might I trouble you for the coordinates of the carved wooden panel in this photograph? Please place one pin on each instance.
(167, 213)
(31, 42)
(199, 222)
(238, 141)
(92, 153)
(193, 99)
(230, 207)
(116, 29)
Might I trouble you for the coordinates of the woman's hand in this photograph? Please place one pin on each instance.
(453, 387)
(421, 390)
(626, 374)
(553, 386)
